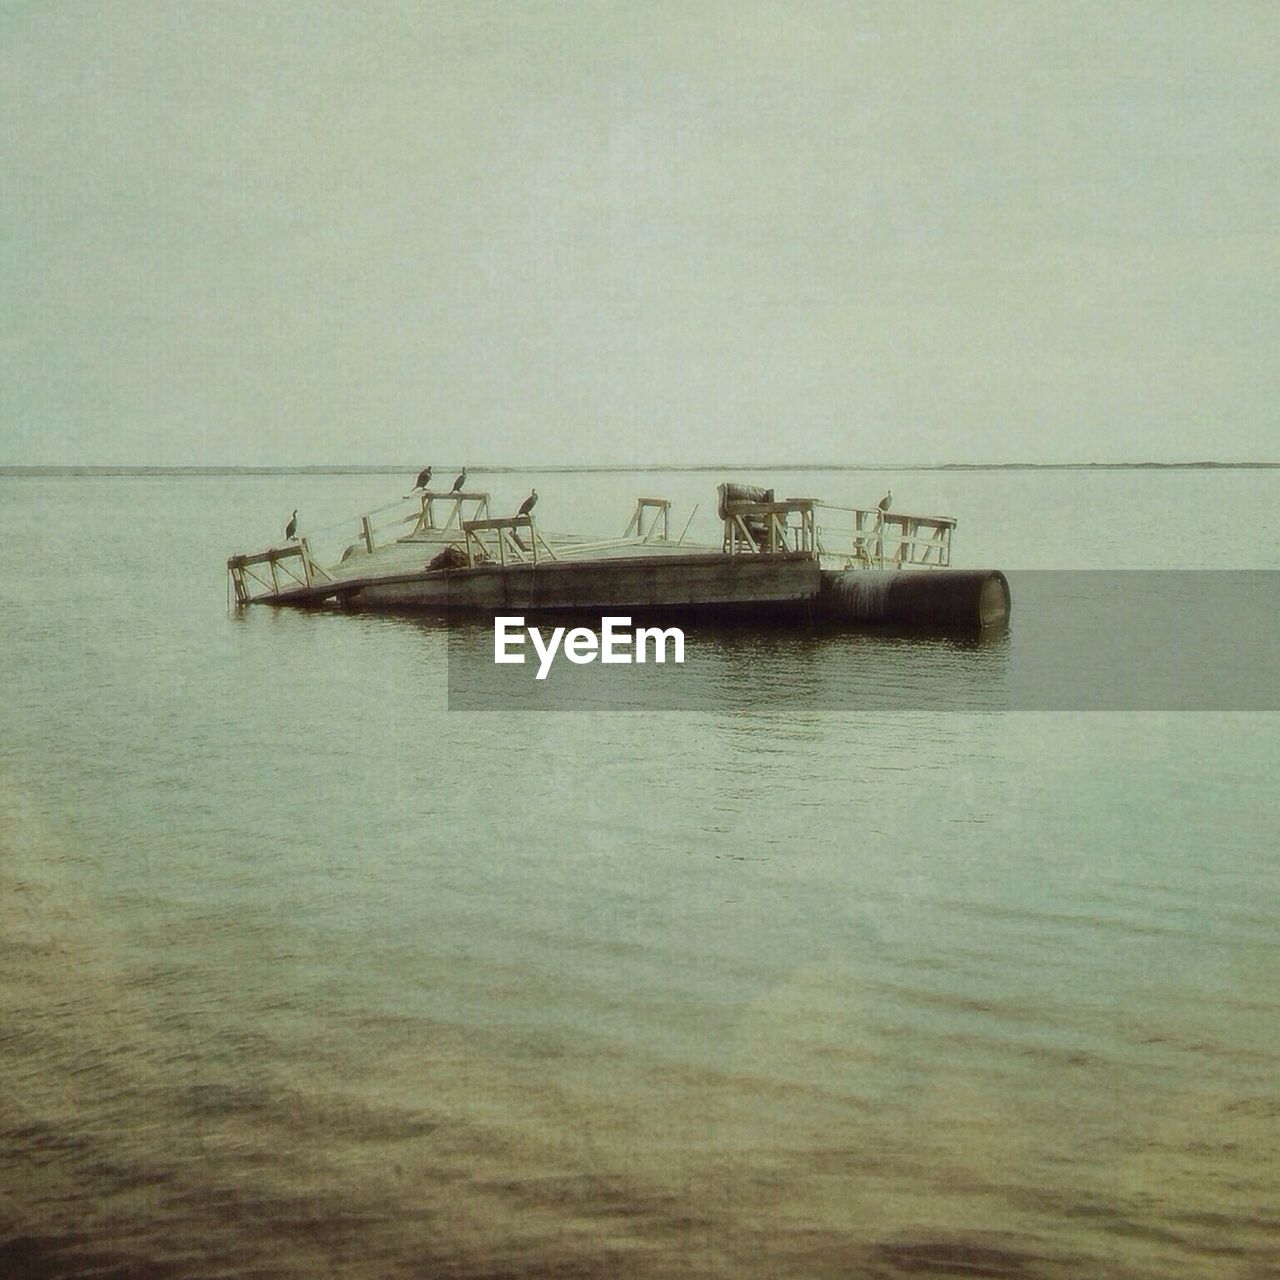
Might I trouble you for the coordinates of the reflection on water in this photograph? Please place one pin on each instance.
(778, 667)
(1090, 640)
(303, 975)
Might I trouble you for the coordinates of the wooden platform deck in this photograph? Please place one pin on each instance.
(639, 578)
(771, 557)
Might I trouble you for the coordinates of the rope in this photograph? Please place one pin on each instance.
(345, 524)
(828, 506)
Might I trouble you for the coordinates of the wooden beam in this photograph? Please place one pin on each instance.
(770, 508)
(265, 557)
(500, 522)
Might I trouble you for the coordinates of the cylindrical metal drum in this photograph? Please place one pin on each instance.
(942, 598)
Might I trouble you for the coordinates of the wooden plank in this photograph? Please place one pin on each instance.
(770, 508)
(687, 523)
(676, 578)
(265, 557)
(500, 522)
(902, 520)
(712, 580)
(546, 546)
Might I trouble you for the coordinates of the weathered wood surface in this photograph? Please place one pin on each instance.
(677, 581)
(399, 558)
(427, 524)
(707, 581)
(770, 553)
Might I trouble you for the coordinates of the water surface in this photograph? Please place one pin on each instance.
(302, 974)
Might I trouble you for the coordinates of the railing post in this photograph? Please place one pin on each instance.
(367, 529)
(237, 579)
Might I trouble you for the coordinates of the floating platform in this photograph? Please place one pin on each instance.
(775, 560)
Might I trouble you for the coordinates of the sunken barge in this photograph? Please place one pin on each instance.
(794, 557)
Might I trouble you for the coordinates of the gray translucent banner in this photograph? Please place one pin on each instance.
(1092, 640)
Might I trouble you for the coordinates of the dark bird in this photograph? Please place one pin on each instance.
(424, 478)
(885, 501)
(460, 481)
(292, 527)
(529, 503)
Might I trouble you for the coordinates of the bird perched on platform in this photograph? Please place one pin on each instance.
(885, 502)
(460, 481)
(529, 503)
(424, 478)
(291, 529)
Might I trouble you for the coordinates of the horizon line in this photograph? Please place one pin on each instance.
(192, 469)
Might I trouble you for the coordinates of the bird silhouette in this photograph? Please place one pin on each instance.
(424, 478)
(529, 503)
(459, 482)
(885, 502)
(292, 527)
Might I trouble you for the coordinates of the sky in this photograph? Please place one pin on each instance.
(615, 233)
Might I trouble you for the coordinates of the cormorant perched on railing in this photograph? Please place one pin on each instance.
(424, 478)
(885, 501)
(459, 482)
(291, 529)
(529, 503)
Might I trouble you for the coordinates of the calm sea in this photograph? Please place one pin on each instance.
(304, 975)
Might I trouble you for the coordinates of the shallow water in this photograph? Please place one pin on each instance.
(303, 974)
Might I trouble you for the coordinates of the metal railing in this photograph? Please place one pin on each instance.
(887, 539)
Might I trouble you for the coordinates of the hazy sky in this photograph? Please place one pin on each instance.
(256, 233)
